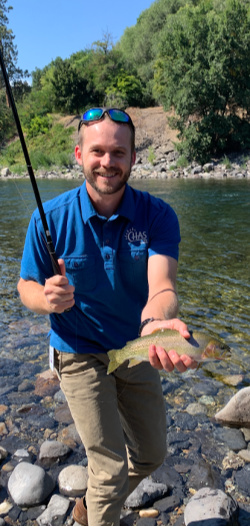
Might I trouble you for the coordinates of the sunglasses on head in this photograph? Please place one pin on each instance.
(96, 114)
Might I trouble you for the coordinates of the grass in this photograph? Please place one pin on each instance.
(151, 155)
(55, 148)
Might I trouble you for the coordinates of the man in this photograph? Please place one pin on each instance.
(118, 251)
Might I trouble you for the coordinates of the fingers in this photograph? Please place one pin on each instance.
(62, 266)
(160, 359)
(173, 323)
(178, 325)
(58, 292)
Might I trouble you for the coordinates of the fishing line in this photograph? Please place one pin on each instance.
(21, 196)
(49, 242)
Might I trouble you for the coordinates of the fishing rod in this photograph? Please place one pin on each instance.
(49, 242)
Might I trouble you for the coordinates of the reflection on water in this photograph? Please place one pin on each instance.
(214, 265)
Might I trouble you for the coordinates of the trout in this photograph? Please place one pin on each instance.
(199, 346)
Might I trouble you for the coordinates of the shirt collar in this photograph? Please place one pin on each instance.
(125, 209)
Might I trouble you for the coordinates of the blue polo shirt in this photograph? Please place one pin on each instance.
(106, 261)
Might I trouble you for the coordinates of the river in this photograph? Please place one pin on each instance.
(214, 265)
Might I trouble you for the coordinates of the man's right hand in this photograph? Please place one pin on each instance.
(58, 292)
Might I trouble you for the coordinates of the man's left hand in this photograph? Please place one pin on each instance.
(160, 358)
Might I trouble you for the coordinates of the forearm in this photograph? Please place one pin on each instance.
(162, 305)
(33, 297)
(56, 296)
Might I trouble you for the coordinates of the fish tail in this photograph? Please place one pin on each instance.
(113, 362)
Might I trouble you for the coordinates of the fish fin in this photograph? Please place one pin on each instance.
(133, 362)
(113, 362)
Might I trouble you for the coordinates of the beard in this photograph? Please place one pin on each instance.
(113, 181)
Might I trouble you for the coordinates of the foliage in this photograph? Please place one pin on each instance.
(203, 71)
(151, 155)
(69, 87)
(39, 125)
(139, 44)
(189, 55)
(15, 74)
(8, 48)
(53, 148)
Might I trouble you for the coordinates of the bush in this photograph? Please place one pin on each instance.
(214, 135)
(39, 125)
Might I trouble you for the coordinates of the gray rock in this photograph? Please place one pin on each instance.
(242, 479)
(146, 492)
(184, 421)
(204, 388)
(22, 453)
(73, 480)
(210, 507)
(168, 476)
(168, 504)
(53, 450)
(5, 172)
(195, 408)
(197, 170)
(3, 453)
(59, 397)
(55, 512)
(202, 473)
(29, 485)
(237, 410)
(208, 167)
(232, 437)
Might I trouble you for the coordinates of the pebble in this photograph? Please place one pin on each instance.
(148, 513)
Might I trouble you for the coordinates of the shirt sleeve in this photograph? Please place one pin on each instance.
(164, 232)
(36, 263)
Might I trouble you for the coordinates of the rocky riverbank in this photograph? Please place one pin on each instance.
(204, 480)
(161, 163)
(156, 153)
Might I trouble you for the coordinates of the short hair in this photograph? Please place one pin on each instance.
(106, 116)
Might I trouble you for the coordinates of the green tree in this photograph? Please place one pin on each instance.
(126, 90)
(9, 53)
(69, 87)
(139, 43)
(203, 71)
(104, 67)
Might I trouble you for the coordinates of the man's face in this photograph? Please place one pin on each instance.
(106, 156)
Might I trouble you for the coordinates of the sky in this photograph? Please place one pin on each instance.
(47, 29)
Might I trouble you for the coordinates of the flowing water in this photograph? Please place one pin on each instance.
(214, 265)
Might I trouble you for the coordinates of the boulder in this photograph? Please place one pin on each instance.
(237, 410)
(210, 507)
(29, 485)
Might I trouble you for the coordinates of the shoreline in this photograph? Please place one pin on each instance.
(165, 166)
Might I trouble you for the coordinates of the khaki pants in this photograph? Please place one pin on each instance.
(121, 419)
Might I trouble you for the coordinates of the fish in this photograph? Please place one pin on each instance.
(200, 346)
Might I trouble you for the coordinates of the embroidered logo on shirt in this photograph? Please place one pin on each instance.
(133, 236)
